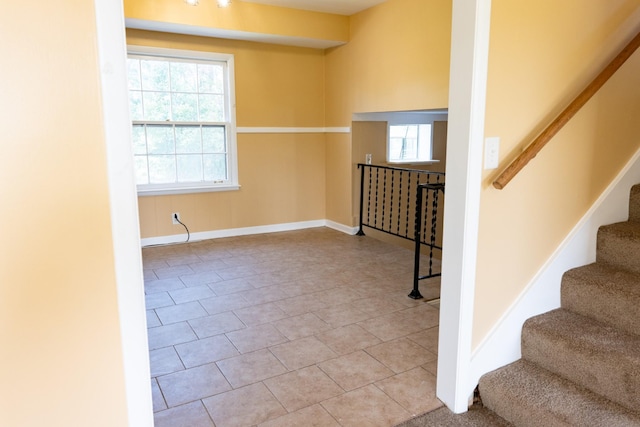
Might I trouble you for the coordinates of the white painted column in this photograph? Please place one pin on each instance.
(467, 96)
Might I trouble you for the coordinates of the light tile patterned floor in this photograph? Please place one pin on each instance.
(301, 328)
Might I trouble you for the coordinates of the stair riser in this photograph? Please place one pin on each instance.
(607, 302)
(618, 250)
(528, 396)
(634, 203)
(614, 375)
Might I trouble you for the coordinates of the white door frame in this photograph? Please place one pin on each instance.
(467, 98)
(469, 57)
(123, 202)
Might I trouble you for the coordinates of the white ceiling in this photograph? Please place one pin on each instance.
(340, 7)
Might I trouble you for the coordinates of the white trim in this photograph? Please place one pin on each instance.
(146, 191)
(167, 27)
(248, 129)
(245, 231)
(341, 227)
(542, 293)
(124, 211)
(467, 100)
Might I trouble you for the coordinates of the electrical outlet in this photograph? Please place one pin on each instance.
(175, 217)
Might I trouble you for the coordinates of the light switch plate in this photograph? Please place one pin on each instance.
(491, 152)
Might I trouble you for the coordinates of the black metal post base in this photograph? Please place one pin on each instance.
(415, 294)
(360, 233)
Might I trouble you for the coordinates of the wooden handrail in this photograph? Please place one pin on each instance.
(558, 123)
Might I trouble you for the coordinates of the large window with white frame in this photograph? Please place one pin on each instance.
(183, 120)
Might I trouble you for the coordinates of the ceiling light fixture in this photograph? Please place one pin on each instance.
(192, 2)
(221, 3)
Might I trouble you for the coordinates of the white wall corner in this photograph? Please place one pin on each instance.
(542, 294)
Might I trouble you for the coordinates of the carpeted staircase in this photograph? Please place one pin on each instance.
(580, 364)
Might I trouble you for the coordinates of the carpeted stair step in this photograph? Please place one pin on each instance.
(634, 203)
(596, 356)
(530, 396)
(619, 245)
(609, 295)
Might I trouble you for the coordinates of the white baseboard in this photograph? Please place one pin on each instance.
(232, 232)
(542, 294)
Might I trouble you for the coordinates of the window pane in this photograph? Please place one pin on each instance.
(189, 168)
(160, 140)
(162, 169)
(142, 172)
(213, 139)
(135, 105)
(188, 139)
(210, 78)
(211, 108)
(184, 77)
(215, 167)
(185, 107)
(134, 74)
(155, 75)
(139, 140)
(157, 106)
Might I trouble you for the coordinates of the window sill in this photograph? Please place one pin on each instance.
(426, 162)
(186, 190)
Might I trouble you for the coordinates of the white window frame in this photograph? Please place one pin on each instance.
(230, 124)
(410, 161)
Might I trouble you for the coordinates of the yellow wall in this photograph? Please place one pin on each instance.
(282, 175)
(397, 59)
(541, 55)
(60, 347)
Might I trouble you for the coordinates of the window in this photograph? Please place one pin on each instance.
(183, 121)
(409, 143)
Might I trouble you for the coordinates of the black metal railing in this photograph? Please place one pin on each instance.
(403, 202)
(427, 198)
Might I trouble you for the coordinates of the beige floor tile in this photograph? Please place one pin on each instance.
(243, 407)
(251, 368)
(206, 350)
(378, 306)
(355, 370)
(300, 304)
(176, 333)
(341, 315)
(335, 296)
(311, 416)
(157, 399)
(302, 388)
(259, 314)
(366, 407)
(401, 355)
(256, 338)
(180, 312)
(216, 324)
(348, 339)
(190, 415)
(192, 384)
(427, 338)
(303, 352)
(414, 390)
(224, 303)
(301, 326)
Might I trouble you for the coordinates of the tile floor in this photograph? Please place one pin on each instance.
(301, 328)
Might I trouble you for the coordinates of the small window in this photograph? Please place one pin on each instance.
(409, 143)
(183, 124)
